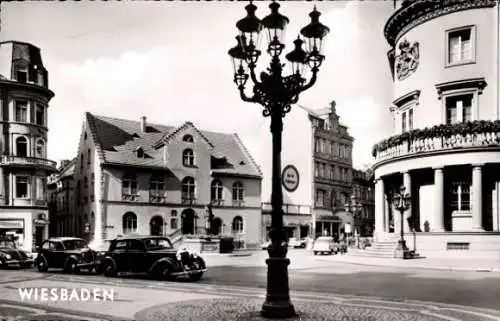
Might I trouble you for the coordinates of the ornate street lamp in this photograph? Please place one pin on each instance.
(402, 202)
(276, 93)
(355, 208)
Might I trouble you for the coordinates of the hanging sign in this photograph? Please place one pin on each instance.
(290, 178)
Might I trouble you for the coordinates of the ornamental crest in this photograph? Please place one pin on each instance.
(407, 60)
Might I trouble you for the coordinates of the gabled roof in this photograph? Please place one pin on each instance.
(165, 139)
(68, 170)
(118, 139)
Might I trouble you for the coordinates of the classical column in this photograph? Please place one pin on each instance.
(407, 185)
(438, 201)
(387, 209)
(380, 224)
(477, 198)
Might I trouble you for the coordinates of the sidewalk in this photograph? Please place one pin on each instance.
(480, 265)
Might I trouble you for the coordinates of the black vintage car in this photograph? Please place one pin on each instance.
(11, 256)
(153, 255)
(68, 253)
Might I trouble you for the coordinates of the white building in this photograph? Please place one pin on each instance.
(446, 146)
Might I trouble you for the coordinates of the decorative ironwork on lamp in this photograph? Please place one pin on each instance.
(276, 93)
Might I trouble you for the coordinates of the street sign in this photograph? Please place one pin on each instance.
(290, 178)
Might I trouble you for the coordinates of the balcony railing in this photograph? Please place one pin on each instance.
(238, 203)
(157, 199)
(437, 138)
(289, 208)
(188, 200)
(130, 197)
(32, 161)
(217, 202)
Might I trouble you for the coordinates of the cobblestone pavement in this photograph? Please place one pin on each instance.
(335, 309)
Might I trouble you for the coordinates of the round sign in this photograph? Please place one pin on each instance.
(290, 178)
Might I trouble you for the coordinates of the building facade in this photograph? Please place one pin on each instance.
(24, 167)
(363, 192)
(446, 146)
(61, 190)
(135, 177)
(322, 153)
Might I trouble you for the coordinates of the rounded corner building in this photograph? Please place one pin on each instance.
(445, 148)
(24, 167)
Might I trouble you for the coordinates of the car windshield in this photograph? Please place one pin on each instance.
(74, 244)
(8, 244)
(158, 244)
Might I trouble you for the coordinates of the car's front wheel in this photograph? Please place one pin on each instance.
(109, 270)
(71, 267)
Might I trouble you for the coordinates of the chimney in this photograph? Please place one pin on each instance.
(143, 124)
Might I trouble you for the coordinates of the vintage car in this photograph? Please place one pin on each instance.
(11, 256)
(71, 254)
(297, 243)
(325, 244)
(153, 255)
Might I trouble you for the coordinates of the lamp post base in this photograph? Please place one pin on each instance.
(277, 304)
(402, 251)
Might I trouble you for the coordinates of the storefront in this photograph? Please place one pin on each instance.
(328, 224)
(26, 228)
(13, 228)
(296, 226)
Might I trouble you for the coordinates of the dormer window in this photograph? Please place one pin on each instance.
(21, 74)
(140, 152)
(187, 138)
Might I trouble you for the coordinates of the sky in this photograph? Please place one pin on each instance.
(168, 61)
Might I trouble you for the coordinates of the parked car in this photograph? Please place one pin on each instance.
(101, 248)
(71, 254)
(265, 245)
(297, 243)
(11, 256)
(153, 255)
(325, 244)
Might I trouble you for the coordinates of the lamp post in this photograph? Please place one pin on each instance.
(276, 93)
(401, 202)
(354, 207)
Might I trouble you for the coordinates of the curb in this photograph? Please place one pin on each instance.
(441, 268)
(49, 310)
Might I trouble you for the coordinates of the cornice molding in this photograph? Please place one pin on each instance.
(411, 96)
(418, 12)
(472, 83)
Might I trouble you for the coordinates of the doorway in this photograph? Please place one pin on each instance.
(188, 221)
(156, 226)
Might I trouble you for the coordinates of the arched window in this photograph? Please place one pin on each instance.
(81, 161)
(157, 189)
(188, 189)
(40, 148)
(22, 146)
(188, 138)
(92, 181)
(129, 187)
(216, 191)
(129, 223)
(85, 182)
(237, 225)
(188, 157)
(238, 192)
(88, 156)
